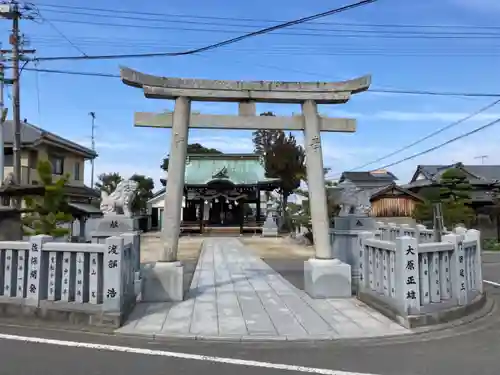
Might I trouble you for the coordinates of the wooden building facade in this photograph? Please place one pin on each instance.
(393, 201)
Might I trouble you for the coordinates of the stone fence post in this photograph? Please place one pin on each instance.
(457, 268)
(37, 270)
(364, 266)
(113, 262)
(474, 234)
(407, 278)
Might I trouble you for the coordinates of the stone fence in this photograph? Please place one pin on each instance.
(390, 231)
(94, 283)
(404, 272)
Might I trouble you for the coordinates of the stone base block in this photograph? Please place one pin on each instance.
(163, 282)
(327, 278)
(111, 223)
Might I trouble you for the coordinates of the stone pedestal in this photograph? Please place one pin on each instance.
(117, 224)
(269, 229)
(114, 225)
(346, 243)
(163, 282)
(327, 278)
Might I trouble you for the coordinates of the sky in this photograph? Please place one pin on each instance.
(459, 53)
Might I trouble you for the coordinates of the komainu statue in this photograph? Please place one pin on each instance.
(353, 201)
(120, 201)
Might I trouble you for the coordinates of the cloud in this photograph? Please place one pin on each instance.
(478, 5)
(126, 170)
(226, 143)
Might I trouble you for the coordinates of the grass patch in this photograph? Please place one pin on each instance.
(491, 244)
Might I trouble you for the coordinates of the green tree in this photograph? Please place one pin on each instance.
(283, 158)
(193, 148)
(144, 191)
(108, 182)
(48, 212)
(455, 186)
(454, 193)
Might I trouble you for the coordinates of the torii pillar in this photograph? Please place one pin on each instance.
(324, 276)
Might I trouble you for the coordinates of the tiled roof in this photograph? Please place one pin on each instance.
(31, 134)
(368, 176)
(239, 169)
(482, 173)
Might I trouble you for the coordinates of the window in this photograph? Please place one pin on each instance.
(57, 164)
(33, 159)
(8, 158)
(77, 171)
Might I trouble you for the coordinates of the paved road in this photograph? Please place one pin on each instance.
(467, 349)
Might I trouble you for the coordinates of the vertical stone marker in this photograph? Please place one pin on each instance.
(165, 277)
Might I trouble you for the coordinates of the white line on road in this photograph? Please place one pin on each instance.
(187, 356)
(492, 283)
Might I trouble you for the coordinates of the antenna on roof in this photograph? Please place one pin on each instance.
(482, 157)
(92, 139)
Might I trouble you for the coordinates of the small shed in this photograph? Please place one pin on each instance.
(393, 201)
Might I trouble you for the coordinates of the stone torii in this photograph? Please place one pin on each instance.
(246, 93)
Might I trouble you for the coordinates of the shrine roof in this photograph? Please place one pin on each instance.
(239, 169)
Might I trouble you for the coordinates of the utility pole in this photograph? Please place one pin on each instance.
(14, 41)
(3, 114)
(92, 114)
(14, 12)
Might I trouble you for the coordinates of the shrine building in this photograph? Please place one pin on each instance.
(223, 193)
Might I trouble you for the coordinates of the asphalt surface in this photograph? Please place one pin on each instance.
(472, 348)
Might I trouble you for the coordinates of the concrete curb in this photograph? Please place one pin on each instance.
(424, 320)
(229, 338)
(480, 313)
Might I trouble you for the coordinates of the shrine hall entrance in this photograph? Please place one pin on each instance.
(225, 212)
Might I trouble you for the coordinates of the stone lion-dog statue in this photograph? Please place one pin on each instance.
(353, 201)
(120, 201)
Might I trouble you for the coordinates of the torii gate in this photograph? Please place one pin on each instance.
(246, 93)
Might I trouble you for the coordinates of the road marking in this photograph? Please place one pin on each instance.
(492, 283)
(187, 356)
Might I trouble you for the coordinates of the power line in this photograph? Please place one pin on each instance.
(294, 47)
(336, 33)
(220, 44)
(225, 24)
(443, 144)
(297, 52)
(289, 43)
(420, 140)
(387, 91)
(56, 29)
(163, 15)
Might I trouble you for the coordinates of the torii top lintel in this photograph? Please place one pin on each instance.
(238, 91)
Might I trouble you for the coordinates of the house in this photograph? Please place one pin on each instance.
(483, 178)
(66, 157)
(369, 180)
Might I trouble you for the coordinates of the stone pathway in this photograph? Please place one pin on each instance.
(234, 295)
